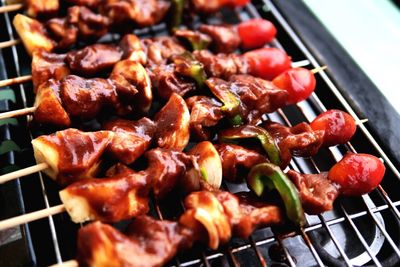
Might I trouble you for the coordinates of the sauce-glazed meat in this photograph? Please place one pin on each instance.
(131, 139)
(111, 199)
(205, 112)
(46, 66)
(317, 192)
(173, 124)
(71, 154)
(166, 81)
(148, 243)
(237, 160)
(140, 12)
(167, 167)
(160, 49)
(222, 65)
(300, 140)
(94, 59)
(257, 96)
(211, 217)
(225, 39)
(86, 97)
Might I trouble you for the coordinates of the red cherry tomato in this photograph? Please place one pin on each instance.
(299, 83)
(267, 62)
(256, 33)
(338, 125)
(357, 174)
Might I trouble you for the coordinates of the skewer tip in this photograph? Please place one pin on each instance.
(319, 69)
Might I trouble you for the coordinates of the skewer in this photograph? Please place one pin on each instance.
(23, 172)
(11, 8)
(319, 69)
(16, 113)
(27, 78)
(33, 216)
(9, 43)
(70, 263)
(16, 80)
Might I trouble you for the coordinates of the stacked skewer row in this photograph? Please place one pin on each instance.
(209, 95)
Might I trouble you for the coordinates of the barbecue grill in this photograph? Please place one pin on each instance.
(358, 231)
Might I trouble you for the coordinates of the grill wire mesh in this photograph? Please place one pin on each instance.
(358, 231)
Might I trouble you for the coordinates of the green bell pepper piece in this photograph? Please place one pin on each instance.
(266, 176)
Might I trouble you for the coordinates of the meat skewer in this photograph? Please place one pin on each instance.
(119, 68)
(217, 37)
(354, 174)
(300, 140)
(91, 199)
(82, 23)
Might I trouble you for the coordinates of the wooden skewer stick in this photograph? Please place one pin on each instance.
(10, 8)
(17, 80)
(70, 263)
(29, 217)
(16, 113)
(359, 122)
(9, 43)
(319, 69)
(24, 172)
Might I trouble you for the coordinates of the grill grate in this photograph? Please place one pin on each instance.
(361, 231)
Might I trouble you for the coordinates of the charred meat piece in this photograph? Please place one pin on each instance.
(148, 243)
(166, 81)
(300, 140)
(33, 34)
(173, 124)
(63, 32)
(133, 84)
(195, 40)
(225, 38)
(222, 65)
(205, 112)
(42, 8)
(93, 59)
(132, 49)
(236, 159)
(91, 26)
(46, 66)
(317, 192)
(131, 139)
(71, 154)
(167, 167)
(257, 96)
(160, 49)
(215, 216)
(206, 6)
(255, 214)
(120, 197)
(142, 13)
(49, 109)
(87, 3)
(85, 98)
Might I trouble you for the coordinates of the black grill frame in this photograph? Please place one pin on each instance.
(384, 204)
